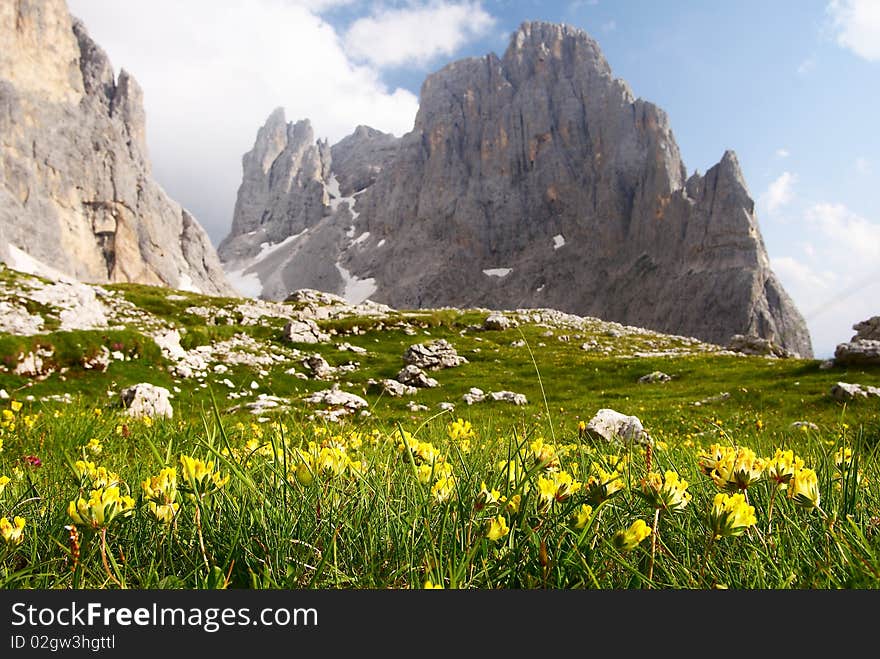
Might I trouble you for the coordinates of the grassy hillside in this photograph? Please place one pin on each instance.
(391, 497)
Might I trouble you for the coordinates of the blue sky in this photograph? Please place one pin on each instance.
(790, 85)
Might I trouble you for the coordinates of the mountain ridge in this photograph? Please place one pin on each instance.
(544, 167)
(77, 191)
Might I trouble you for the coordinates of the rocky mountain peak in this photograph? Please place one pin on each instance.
(538, 48)
(536, 179)
(76, 191)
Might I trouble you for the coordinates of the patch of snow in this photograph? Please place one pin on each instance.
(356, 290)
(380, 243)
(540, 288)
(350, 231)
(558, 241)
(247, 282)
(361, 238)
(186, 284)
(248, 285)
(332, 188)
(498, 272)
(270, 248)
(24, 262)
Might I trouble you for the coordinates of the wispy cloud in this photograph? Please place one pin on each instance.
(857, 26)
(609, 26)
(779, 193)
(834, 279)
(782, 153)
(863, 165)
(806, 66)
(416, 34)
(212, 71)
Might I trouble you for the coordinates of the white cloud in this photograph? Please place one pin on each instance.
(213, 70)
(413, 35)
(782, 153)
(857, 24)
(806, 66)
(779, 193)
(855, 236)
(834, 279)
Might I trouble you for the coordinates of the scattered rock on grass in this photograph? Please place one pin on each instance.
(337, 399)
(843, 391)
(413, 376)
(393, 388)
(145, 399)
(618, 428)
(304, 331)
(434, 355)
(804, 425)
(724, 395)
(496, 321)
(654, 376)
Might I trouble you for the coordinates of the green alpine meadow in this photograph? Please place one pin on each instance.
(272, 463)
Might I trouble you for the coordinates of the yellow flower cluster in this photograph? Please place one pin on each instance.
(804, 488)
(666, 492)
(99, 477)
(443, 489)
(630, 538)
(602, 484)
(161, 494)
(460, 430)
(199, 477)
(782, 467)
(730, 515)
(544, 455)
(422, 452)
(497, 528)
(582, 516)
(559, 487)
(732, 468)
(102, 507)
(12, 532)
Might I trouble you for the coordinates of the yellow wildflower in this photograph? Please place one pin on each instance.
(782, 466)
(602, 484)
(164, 512)
(731, 515)
(546, 490)
(544, 455)
(805, 489)
(430, 585)
(101, 477)
(628, 540)
(668, 492)
(444, 489)
(102, 507)
(732, 468)
(582, 516)
(12, 532)
(95, 446)
(843, 458)
(161, 489)
(460, 429)
(200, 477)
(4, 481)
(486, 496)
(497, 528)
(512, 505)
(15, 406)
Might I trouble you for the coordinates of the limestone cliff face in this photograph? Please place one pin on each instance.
(538, 179)
(76, 191)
